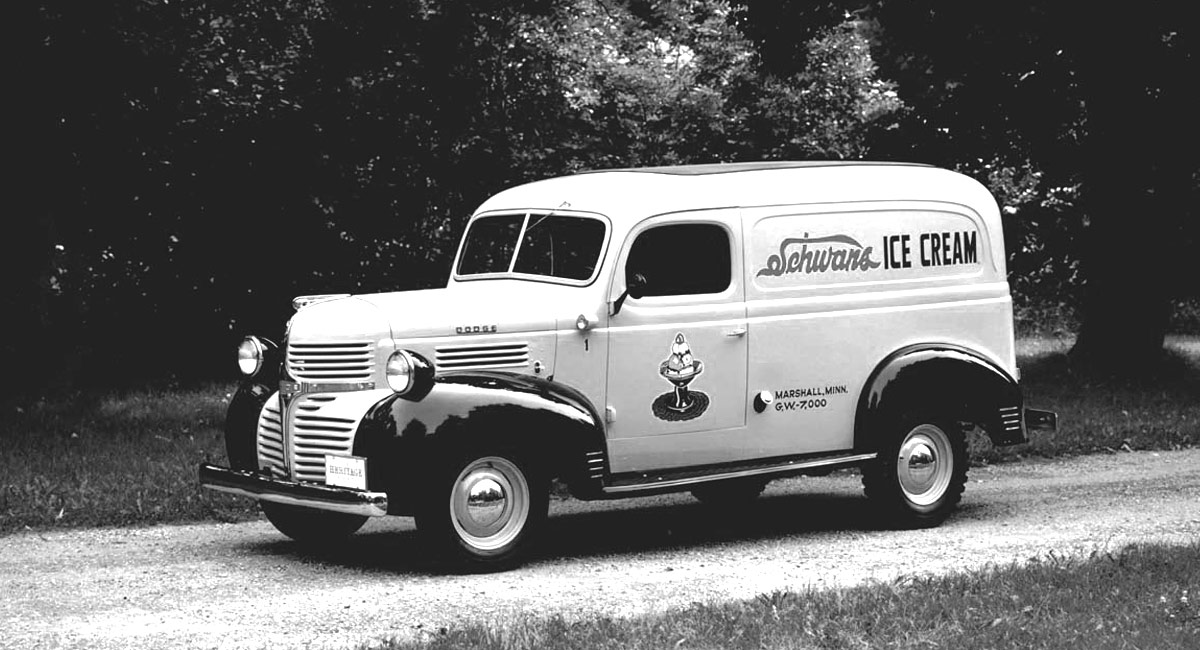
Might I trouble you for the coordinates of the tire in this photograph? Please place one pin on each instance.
(919, 475)
(484, 511)
(729, 494)
(310, 526)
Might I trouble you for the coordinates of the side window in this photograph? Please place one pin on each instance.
(681, 259)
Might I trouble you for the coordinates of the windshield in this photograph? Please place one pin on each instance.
(556, 246)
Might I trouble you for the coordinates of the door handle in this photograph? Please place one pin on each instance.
(741, 331)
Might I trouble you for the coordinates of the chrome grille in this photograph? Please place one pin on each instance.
(270, 438)
(482, 356)
(334, 361)
(314, 435)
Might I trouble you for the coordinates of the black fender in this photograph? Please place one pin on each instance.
(241, 424)
(946, 376)
(553, 424)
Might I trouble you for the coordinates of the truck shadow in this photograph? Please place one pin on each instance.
(581, 531)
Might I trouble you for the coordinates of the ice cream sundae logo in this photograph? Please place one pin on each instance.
(819, 255)
(680, 369)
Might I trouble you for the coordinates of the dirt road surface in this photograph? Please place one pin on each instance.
(246, 586)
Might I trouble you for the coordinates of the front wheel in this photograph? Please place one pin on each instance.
(919, 476)
(311, 526)
(484, 511)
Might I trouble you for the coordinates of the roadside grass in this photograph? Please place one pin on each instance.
(122, 458)
(1138, 597)
(113, 459)
(1095, 415)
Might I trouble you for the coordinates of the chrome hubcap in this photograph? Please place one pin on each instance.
(486, 501)
(490, 503)
(925, 465)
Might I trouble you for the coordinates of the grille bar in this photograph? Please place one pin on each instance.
(340, 360)
(314, 435)
(270, 437)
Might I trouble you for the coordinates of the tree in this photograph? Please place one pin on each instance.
(192, 166)
(1141, 173)
(1090, 101)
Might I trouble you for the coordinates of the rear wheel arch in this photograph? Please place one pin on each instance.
(948, 379)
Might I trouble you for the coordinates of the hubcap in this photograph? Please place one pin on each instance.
(490, 503)
(925, 465)
(486, 501)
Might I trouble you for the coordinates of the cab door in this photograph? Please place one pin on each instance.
(676, 391)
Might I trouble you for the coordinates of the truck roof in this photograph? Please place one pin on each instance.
(728, 168)
(627, 196)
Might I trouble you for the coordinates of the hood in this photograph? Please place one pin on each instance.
(508, 306)
(340, 319)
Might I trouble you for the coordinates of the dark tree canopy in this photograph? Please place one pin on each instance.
(1082, 117)
(189, 167)
(184, 169)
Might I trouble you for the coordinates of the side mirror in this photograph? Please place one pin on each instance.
(635, 286)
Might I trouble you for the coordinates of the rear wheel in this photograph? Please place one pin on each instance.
(311, 526)
(919, 476)
(485, 510)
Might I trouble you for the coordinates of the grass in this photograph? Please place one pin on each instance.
(1140, 597)
(131, 457)
(113, 459)
(1159, 412)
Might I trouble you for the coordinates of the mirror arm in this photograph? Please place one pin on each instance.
(616, 306)
(635, 287)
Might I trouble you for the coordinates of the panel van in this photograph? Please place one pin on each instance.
(702, 328)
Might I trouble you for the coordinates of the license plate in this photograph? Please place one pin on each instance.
(346, 471)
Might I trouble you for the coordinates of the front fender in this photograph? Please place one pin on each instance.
(241, 424)
(942, 376)
(552, 424)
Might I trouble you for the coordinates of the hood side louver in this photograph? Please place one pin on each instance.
(482, 356)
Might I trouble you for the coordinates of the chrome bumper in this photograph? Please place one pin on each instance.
(265, 488)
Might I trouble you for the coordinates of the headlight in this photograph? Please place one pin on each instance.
(400, 367)
(250, 356)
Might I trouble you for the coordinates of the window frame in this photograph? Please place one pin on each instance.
(527, 214)
(730, 292)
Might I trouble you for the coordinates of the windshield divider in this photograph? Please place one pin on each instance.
(512, 263)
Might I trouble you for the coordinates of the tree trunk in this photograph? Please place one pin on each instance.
(1136, 183)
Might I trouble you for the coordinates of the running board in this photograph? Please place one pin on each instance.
(665, 483)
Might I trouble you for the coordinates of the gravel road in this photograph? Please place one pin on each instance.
(246, 586)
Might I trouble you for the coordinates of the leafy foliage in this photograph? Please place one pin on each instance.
(192, 166)
(188, 167)
(1095, 105)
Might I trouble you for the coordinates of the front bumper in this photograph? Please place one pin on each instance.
(307, 495)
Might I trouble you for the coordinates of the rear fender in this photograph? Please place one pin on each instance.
(945, 377)
(551, 424)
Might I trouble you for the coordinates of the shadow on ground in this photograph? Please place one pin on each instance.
(612, 530)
